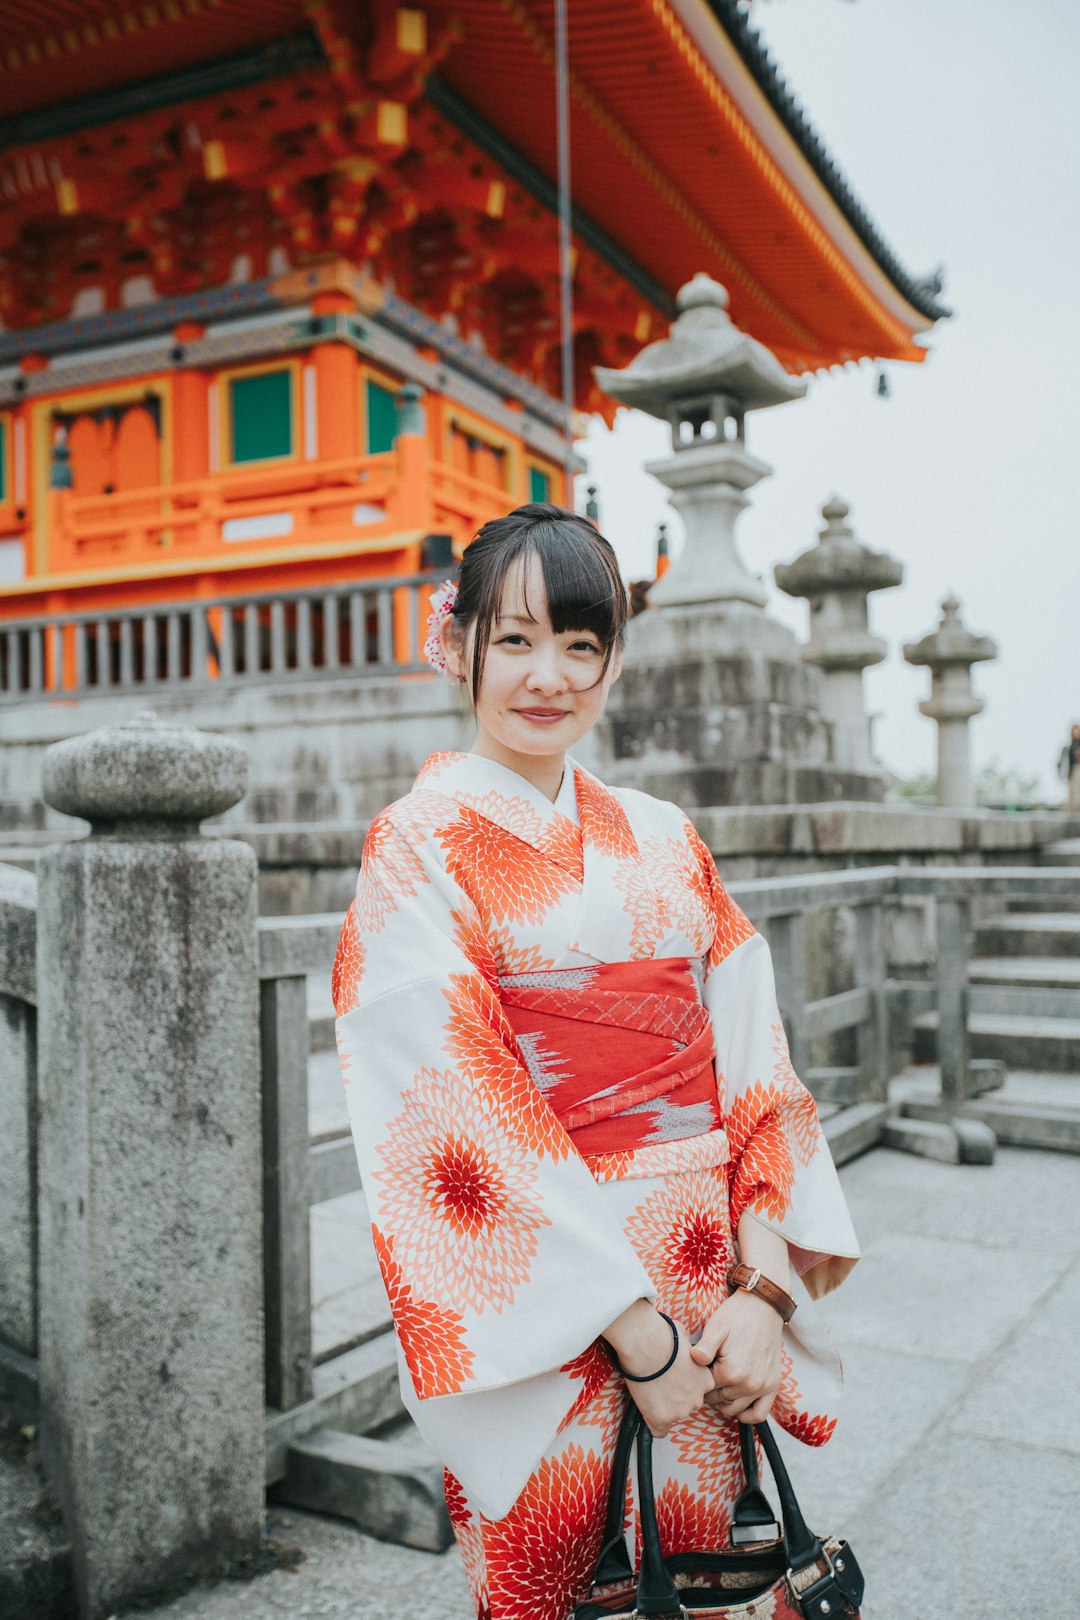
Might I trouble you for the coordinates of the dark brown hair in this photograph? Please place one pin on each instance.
(584, 588)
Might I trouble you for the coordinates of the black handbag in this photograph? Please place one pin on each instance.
(768, 1574)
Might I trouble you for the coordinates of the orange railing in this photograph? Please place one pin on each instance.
(373, 627)
(301, 502)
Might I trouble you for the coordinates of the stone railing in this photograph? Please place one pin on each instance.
(346, 630)
(155, 1265)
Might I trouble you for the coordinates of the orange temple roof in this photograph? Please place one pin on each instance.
(689, 153)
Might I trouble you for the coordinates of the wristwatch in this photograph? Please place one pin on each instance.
(752, 1280)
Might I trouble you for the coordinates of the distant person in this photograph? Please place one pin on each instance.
(1069, 767)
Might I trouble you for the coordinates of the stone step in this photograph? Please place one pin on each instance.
(1043, 972)
(358, 1391)
(390, 1487)
(1054, 934)
(1040, 1044)
(1040, 905)
(1024, 1001)
(1063, 852)
(926, 1138)
(854, 1130)
(1037, 1110)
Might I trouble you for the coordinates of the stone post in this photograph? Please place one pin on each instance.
(837, 576)
(950, 651)
(150, 1332)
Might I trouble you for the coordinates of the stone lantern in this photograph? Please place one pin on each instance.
(950, 651)
(702, 379)
(837, 576)
(716, 704)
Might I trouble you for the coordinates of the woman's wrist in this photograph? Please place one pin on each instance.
(640, 1339)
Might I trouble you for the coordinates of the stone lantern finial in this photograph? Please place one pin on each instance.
(836, 576)
(950, 651)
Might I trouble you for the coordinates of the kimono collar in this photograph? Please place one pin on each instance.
(513, 803)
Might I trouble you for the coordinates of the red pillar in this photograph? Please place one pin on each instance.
(190, 414)
(337, 385)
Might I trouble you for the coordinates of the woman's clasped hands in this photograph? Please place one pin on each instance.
(734, 1365)
(740, 1347)
(642, 1341)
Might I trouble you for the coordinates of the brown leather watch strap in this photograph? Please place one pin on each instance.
(750, 1278)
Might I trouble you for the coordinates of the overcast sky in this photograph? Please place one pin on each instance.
(957, 124)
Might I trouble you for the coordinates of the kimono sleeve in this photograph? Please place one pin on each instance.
(781, 1170)
(501, 1259)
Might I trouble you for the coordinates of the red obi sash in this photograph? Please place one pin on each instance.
(623, 1051)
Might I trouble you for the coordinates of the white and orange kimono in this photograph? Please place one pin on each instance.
(567, 1079)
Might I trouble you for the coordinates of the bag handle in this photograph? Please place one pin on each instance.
(752, 1517)
(657, 1594)
(613, 1562)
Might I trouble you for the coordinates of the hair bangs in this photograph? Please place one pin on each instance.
(581, 593)
(580, 571)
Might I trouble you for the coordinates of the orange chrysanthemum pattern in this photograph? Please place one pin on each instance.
(812, 1428)
(771, 1128)
(731, 926)
(683, 1239)
(468, 1533)
(513, 957)
(540, 1557)
(432, 1339)
(604, 822)
(460, 1195)
(762, 1168)
(479, 1038)
(476, 945)
(349, 962)
(601, 1399)
(800, 1114)
(689, 1521)
(645, 907)
(507, 879)
(676, 872)
(708, 1445)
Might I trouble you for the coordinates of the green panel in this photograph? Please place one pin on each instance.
(381, 419)
(539, 485)
(261, 416)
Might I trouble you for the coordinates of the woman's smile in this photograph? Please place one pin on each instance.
(543, 717)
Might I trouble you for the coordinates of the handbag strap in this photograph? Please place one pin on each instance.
(752, 1516)
(800, 1543)
(613, 1562)
(657, 1593)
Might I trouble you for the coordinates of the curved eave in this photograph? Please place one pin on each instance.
(680, 158)
(804, 156)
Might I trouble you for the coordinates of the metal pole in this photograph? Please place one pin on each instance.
(566, 266)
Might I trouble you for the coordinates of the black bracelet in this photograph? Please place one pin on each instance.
(633, 1378)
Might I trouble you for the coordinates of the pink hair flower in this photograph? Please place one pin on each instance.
(442, 605)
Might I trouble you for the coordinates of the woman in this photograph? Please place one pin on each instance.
(571, 1098)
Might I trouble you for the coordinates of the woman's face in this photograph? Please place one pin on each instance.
(540, 692)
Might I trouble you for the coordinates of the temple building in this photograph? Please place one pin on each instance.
(279, 297)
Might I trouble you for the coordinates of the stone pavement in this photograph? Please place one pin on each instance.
(955, 1471)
